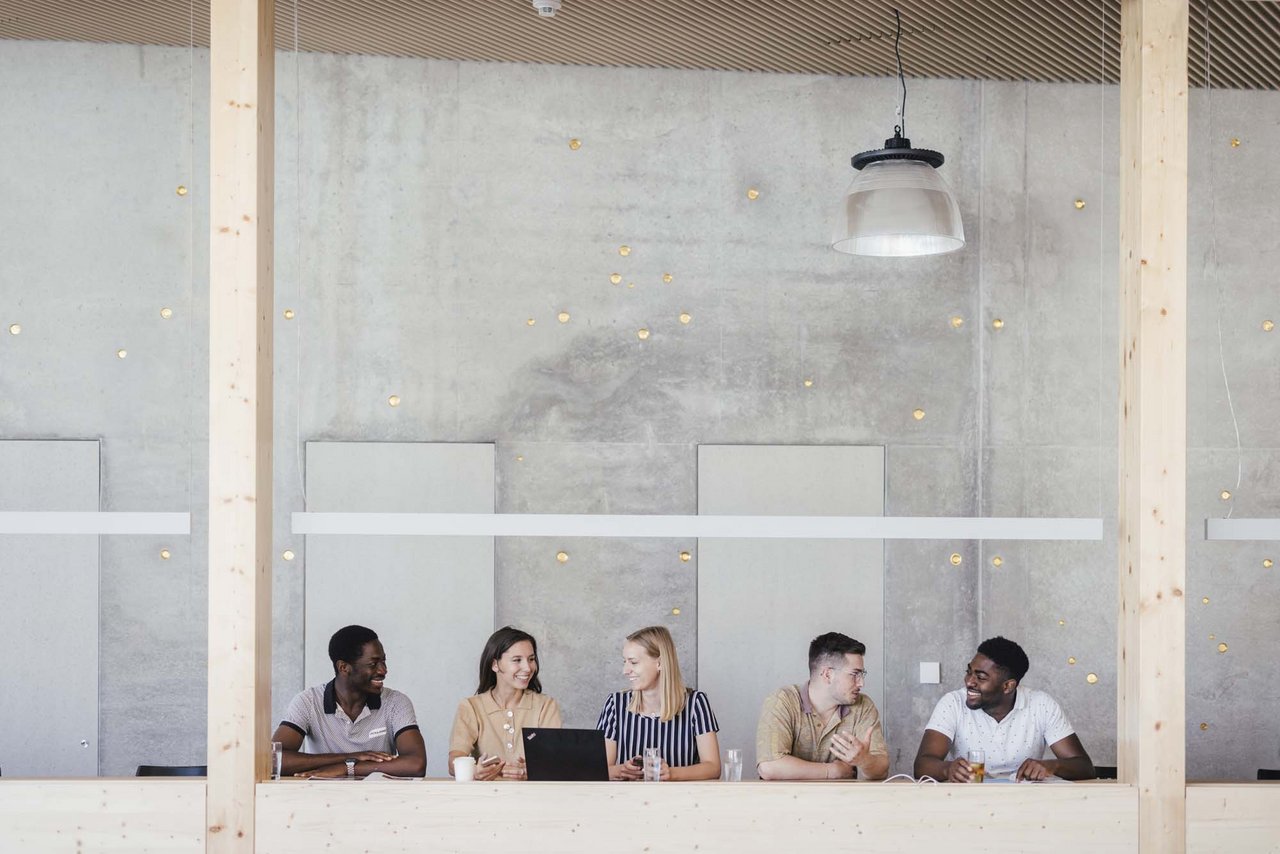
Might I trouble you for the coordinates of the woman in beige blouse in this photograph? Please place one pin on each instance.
(509, 697)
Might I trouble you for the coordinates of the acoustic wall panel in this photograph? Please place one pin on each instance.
(430, 599)
(49, 615)
(760, 602)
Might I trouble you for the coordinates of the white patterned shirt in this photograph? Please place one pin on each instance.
(1035, 722)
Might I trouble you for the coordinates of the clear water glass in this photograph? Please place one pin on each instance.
(731, 768)
(652, 765)
(277, 759)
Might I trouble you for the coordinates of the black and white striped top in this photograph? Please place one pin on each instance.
(676, 739)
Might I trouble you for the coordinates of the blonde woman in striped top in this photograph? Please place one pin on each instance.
(658, 711)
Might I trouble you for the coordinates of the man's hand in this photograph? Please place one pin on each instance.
(850, 749)
(1035, 770)
(338, 770)
(959, 771)
(370, 756)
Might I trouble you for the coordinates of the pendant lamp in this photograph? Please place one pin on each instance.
(898, 205)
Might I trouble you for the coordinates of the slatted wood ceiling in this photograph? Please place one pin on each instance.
(1041, 40)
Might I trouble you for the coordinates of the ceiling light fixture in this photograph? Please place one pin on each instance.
(546, 8)
(898, 205)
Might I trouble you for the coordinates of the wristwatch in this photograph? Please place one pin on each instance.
(351, 767)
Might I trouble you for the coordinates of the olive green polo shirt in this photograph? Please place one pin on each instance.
(789, 727)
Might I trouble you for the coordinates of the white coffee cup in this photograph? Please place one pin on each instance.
(464, 769)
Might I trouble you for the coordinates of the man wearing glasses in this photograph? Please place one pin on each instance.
(823, 729)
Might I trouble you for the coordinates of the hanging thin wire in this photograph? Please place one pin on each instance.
(1211, 261)
(901, 128)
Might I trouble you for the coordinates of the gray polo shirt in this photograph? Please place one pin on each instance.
(315, 714)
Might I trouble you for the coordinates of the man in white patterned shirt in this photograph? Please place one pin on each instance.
(1012, 725)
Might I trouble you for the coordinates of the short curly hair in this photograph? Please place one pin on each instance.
(347, 644)
(1007, 655)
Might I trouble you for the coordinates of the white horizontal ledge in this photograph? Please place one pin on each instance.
(697, 527)
(1242, 529)
(103, 522)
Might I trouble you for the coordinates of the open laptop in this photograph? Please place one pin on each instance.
(564, 754)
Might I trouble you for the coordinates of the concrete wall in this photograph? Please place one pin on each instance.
(442, 207)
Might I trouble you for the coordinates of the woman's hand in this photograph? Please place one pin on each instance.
(488, 768)
(632, 769)
(515, 770)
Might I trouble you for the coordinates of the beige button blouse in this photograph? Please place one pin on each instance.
(481, 727)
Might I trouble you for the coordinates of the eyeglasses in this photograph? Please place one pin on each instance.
(856, 675)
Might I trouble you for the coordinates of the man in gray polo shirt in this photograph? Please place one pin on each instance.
(353, 726)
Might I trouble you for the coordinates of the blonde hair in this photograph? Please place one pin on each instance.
(656, 641)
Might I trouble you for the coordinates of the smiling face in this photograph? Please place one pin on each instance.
(517, 667)
(986, 685)
(640, 668)
(368, 672)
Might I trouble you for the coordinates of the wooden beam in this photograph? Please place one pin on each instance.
(125, 816)
(745, 818)
(1153, 416)
(241, 135)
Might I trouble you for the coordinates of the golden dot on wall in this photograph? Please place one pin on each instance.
(1268, 325)
(631, 284)
(753, 193)
(997, 324)
(1267, 563)
(287, 554)
(666, 277)
(164, 554)
(519, 458)
(1092, 678)
(997, 561)
(1225, 495)
(957, 321)
(563, 557)
(563, 317)
(575, 144)
(1222, 647)
(1062, 622)
(288, 314)
(530, 322)
(166, 313)
(1213, 637)
(685, 317)
(121, 353)
(624, 250)
(15, 328)
(642, 334)
(684, 556)
(956, 559)
(1235, 142)
(182, 190)
(616, 278)
(1079, 204)
(675, 611)
(808, 383)
(918, 414)
(1204, 601)
(393, 400)
(1071, 660)
(1203, 726)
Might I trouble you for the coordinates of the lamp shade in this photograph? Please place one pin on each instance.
(898, 208)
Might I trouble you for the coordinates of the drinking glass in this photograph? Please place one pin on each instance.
(978, 764)
(277, 759)
(652, 765)
(732, 772)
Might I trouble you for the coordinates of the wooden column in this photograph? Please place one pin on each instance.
(1153, 416)
(241, 131)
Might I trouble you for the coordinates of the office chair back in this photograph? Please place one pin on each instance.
(173, 771)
